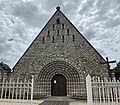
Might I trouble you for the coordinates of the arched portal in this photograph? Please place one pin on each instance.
(64, 69)
(58, 85)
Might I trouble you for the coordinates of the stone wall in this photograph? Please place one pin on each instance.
(60, 41)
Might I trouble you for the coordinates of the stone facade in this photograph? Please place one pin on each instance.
(60, 49)
(5, 71)
(1, 72)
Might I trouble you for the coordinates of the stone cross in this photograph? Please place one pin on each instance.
(108, 66)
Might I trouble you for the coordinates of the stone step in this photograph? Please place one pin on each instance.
(61, 98)
(54, 103)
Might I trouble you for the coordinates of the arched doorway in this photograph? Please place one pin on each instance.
(52, 69)
(58, 85)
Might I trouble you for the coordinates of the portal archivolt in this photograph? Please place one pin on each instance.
(58, 67)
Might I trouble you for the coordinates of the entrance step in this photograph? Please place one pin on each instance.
(56, 98)
(54, 103)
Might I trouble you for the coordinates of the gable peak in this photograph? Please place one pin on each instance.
(58, 8)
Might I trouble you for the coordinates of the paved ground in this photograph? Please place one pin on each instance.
(54, 103)
(46, 101)
(64, 99)
(36, 102)
(78, 103)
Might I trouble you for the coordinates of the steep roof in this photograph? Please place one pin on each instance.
(58, 10)
(5, 67)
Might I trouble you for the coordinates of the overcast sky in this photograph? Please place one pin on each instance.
(22, 20)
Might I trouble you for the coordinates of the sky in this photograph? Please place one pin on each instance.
(22, 20)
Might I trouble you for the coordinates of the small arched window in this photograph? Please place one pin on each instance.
(48, 33)
(63, 26)
(52, 39)
(73, 37)
(63, 38)
(53, 26)
(57, 32)
(58, 21)
(43, 40)
(67, 31)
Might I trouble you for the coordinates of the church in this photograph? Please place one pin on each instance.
(5, 71)
(60, 58)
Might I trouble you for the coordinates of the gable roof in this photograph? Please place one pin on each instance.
(58, 9)
(5, 67)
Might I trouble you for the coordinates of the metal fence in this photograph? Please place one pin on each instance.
(102, 91)
(16, 92)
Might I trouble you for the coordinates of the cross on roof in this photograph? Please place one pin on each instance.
(108, 66)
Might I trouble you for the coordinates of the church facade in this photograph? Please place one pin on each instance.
(5, 71)
(60, 58)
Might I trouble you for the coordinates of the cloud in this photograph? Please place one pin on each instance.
(101, 52)
(51, 5)
(89, 33)
(112, 22)
(25, 10)
(98, 20)
(30, 14)
(107, 11)
(86, 6)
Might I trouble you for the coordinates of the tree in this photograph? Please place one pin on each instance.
(117, 71)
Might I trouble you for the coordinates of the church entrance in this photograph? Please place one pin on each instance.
(58, 85)
(58, 78)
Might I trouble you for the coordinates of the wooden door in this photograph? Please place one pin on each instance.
(58, 85)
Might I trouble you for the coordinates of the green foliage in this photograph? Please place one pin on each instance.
(117, 68)
(117, 71)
